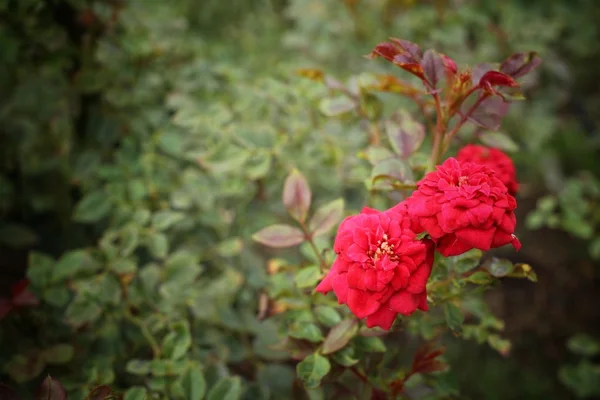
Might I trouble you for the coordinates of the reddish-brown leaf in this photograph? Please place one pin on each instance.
(386, 50)
(411, 48)
(50, 389)
(297, 195)
(450, 64)
(433, 67)
(490, 113)
(520, 64)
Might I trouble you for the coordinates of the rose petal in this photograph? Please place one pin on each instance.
(383, 318)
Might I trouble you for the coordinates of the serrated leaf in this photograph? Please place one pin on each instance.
(229, 388)
(93, 207)
(138, 367)
(308, 277)
(58, 354)
(405, 134)
(165, 219)
(297, 195)
(499, 140)
(279, 236)
(328, 316)
(326, 217)
(454, 317)
(313, 369)
(306, 331)
(136, 393)
(340, 335)
(499, 267)
(333, 107)
(433, 66)
(194, 384)
(489, 113)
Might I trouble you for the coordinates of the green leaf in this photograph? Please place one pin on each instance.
(405, 134)
(333, 107)
(499, 344)
(93, 207)
(129, 239)
(583, 344)
(194, 384)
(479, 278)
(328, 316)
(499, 140)
(177, 342)
(305, 330)
(326, 217)
(369, 344)
(466, 261)
(313, 369)
(229, 388)
(158, 245)
(583, 379)
(73, 264)
(388, 171)
(136, 393)
(123, 266)
(138, 367)
(279, 236)
(165, 219)
(17, 236)
(340, 335)
(308, 277)
(454, 317)
(297, 195)
(345, 357)
(58, 354)
(230, 247)
(82, 310)
(499, 267)
(39, 269)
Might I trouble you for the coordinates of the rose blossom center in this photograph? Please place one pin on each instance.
(462, 180)
(383, 248)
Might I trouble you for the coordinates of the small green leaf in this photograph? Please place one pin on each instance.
(308, 277)
(583, 379)
(479, 278)
(313, 369)
(177, 342)
(326, 217)
(500, 141)
(136, 393)
(499, 344)
(39, 270)
(229, 388)
(297, 195)
(499, 267)
(58, 354)
(333, 107)
(194, 384)
(454, 317)
(123, 266)
(82, 310)
(279, 236)
(467, 261)
(17, 235)
(165, 219)
(138, 367)
(345, 357)
(93, 207)
(584, 345)
(369, 344)
(73, 264)
(328, 316)
(230, 247)
(305, 330)
(158, 245)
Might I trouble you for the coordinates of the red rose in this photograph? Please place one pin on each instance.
(496, 160)
(381, 269)
(464, 206)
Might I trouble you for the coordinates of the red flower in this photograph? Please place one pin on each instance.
(381, 269)
(496, 160)
(20, 297)
(464, 206)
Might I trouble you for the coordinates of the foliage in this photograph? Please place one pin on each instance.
(145, 143)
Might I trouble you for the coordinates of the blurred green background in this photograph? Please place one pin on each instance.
(145, 132)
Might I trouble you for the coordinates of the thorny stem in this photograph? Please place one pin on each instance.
(436, 151)
(450, 135)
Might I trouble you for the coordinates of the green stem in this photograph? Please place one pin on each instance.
(310, 240)
(145, 332)
(440, 128)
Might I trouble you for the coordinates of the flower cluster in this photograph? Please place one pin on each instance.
(383, 262)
